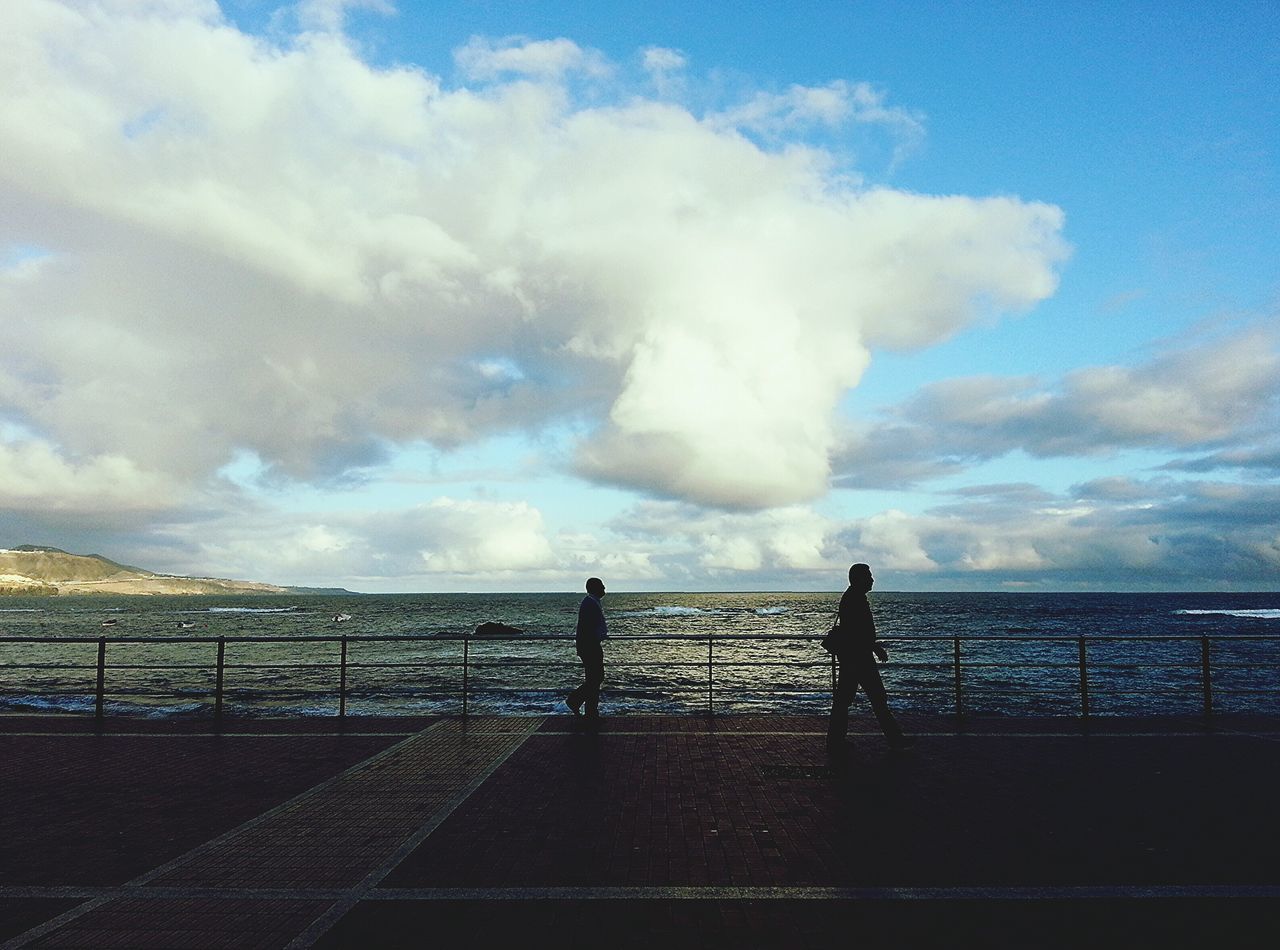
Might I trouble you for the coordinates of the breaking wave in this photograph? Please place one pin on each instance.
(1263, 614)
(671, 611)
(88, 704)
(249, 610)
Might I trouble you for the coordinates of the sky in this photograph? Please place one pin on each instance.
(492, 296)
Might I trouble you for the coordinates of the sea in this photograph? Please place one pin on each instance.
(995, 654)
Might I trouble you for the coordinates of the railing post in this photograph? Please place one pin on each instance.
(217, 688)
(342, 681)
(956, 664)
(466, 641)
(100, 696)
(1084, 681)
(1206, 678)
(710, 707)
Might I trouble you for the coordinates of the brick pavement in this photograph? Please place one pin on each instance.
(82, 808)
(334, 837)
(687, 831)
(767, 808)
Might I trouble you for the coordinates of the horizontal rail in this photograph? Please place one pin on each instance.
(691, 638)
(1095, 671)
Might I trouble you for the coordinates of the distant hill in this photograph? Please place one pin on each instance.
(36, 569)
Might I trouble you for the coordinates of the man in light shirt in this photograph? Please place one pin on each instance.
(591, 633)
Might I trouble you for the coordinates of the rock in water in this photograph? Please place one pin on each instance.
(492, 628)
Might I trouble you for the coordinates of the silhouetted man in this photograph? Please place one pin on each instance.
(592, 630)
(853, 642)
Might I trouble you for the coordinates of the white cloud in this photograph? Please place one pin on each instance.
(474, 537)
(892, 541)
(1003, 554)
(331, 15)
(1210, 392)
(832, 104)
(1191, 397)
(486, 58)
(35, 477)
(440, 544)
(659, 59)
(1164, 534)
(284, 251)
(665, 68)
(705, 544)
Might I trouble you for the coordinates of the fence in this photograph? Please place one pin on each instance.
(458, 671)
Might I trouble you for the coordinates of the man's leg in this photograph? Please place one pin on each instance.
(593, 676)
(869, 677)
(846, 689)
(575, 698)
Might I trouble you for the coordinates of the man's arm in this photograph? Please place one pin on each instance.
(877, 648)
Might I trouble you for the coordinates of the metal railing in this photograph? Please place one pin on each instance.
(1086, 667)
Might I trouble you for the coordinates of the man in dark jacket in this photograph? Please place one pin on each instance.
(592, 630)
(854, 644)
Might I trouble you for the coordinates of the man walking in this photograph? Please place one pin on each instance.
(853, 641)
(592, 630)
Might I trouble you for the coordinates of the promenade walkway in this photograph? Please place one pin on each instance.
(647, 832)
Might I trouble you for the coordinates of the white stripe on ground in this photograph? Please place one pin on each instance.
(705, 892)
(325, 921)
(217, 735)
(960, 734)
(954, 734)
(1091, 730)
(74, 913)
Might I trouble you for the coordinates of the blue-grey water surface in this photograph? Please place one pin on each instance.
(1033, 669)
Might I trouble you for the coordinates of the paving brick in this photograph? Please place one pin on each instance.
(671, 803)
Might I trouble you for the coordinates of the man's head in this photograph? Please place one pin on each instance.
(860, 577)
(595, 587)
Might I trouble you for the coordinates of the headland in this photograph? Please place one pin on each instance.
(37, 570)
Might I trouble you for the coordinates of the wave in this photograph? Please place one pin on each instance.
(74, 704)
(672, 611)
(306, 711)
(1269, 613)
(21, 610)
(679, 611)
(88, 705)
(249, 610)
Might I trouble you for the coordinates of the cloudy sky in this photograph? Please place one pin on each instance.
(423, 296)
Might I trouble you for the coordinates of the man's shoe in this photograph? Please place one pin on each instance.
(576, 710)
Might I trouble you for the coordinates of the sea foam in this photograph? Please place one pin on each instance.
(1263, 614)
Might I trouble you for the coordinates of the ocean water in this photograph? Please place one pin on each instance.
(668, 652)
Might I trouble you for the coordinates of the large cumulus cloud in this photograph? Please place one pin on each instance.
(219, 244)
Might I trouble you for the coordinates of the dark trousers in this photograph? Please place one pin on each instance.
(588, 694)
(854, 672)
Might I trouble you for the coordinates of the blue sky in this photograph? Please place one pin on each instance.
(491, 296)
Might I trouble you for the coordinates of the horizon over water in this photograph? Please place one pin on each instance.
(1031, 670)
